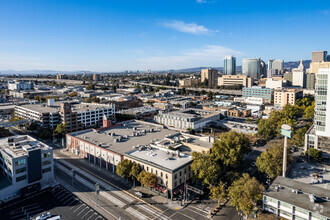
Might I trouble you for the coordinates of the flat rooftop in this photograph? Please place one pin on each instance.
(160, 158)
(192, 113)
(303, 172)
(131, 133)
(43, 108)
(284, 193)
(19, 145)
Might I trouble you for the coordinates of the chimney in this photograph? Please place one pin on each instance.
(106, 123)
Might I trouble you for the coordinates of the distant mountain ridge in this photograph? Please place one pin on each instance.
(287, 65)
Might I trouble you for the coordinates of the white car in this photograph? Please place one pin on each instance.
(44, 216)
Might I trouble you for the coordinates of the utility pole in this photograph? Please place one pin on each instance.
(286, 132)
(97, 191)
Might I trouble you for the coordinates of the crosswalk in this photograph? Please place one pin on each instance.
(134, 208)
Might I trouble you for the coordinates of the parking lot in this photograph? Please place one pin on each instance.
(58, 201)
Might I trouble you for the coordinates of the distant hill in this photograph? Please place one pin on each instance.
(287, 65)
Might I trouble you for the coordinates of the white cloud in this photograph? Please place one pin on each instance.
(210, 55)
(190, 28)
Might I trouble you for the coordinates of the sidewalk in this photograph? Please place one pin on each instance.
(152, 197)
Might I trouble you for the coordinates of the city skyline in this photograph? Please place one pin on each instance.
(106, 36)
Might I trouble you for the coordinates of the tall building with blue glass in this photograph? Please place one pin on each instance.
(251, 67)
(259, 92)
(229, 65)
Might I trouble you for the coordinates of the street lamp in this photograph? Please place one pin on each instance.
(286, 132)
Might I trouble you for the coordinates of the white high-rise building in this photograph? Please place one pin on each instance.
(322, 103)
(299, 75)
(229, 65)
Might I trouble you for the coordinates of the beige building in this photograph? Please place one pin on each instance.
(211, 75)
(315, 66)
(188, 82)
(230, 80)
(96, 77)
(286, 96)
(170, 159)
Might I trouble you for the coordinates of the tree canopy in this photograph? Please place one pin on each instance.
(231, 147)
(135, 171)
(124, 168)
(61, 128)
(244, 193)
(218, 192)
(205, 167)
(314, 154)
(270, 162)
(148, 179)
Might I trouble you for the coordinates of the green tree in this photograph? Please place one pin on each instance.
(73, 94)
(314, 154)
(191, 131)
(61, 129)
(298, 138)
(309, 112)
(231, 147)
(270, 162)
(135, 171)
(218, 192)
(205, 168)
(244, 194)
(148, 179)
(124, 168)
(90, 87)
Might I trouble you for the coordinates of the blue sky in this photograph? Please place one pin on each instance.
(112, 35)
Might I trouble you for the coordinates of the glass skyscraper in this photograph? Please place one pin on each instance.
(229, 65)
(251, 67)
(322, 103)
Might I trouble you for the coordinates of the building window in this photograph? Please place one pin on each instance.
(20, 170)
(161, 174)
(175, 176)
(20, 162)
(147, 168)
(180, 173)
(166, 176)
(46, 162)
(46, 170)
(152, 170)
(156, 172)
(175, 184)
(20, 178)
(45, 155)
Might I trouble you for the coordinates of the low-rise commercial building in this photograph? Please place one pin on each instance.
(259, 92)
(188, 118)
(291, 199)
(20, 85)
(231, 80)
(77, 116)
(158, 150)
(24, 162)
(210, 76)
(140, 113)
(275, 83)
(188, 82)
(286, 96)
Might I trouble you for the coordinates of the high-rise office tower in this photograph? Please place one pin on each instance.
(319, 56)
(322, 103)
(251, 67)
(211, 75)
(229, 65)
(275, 67)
